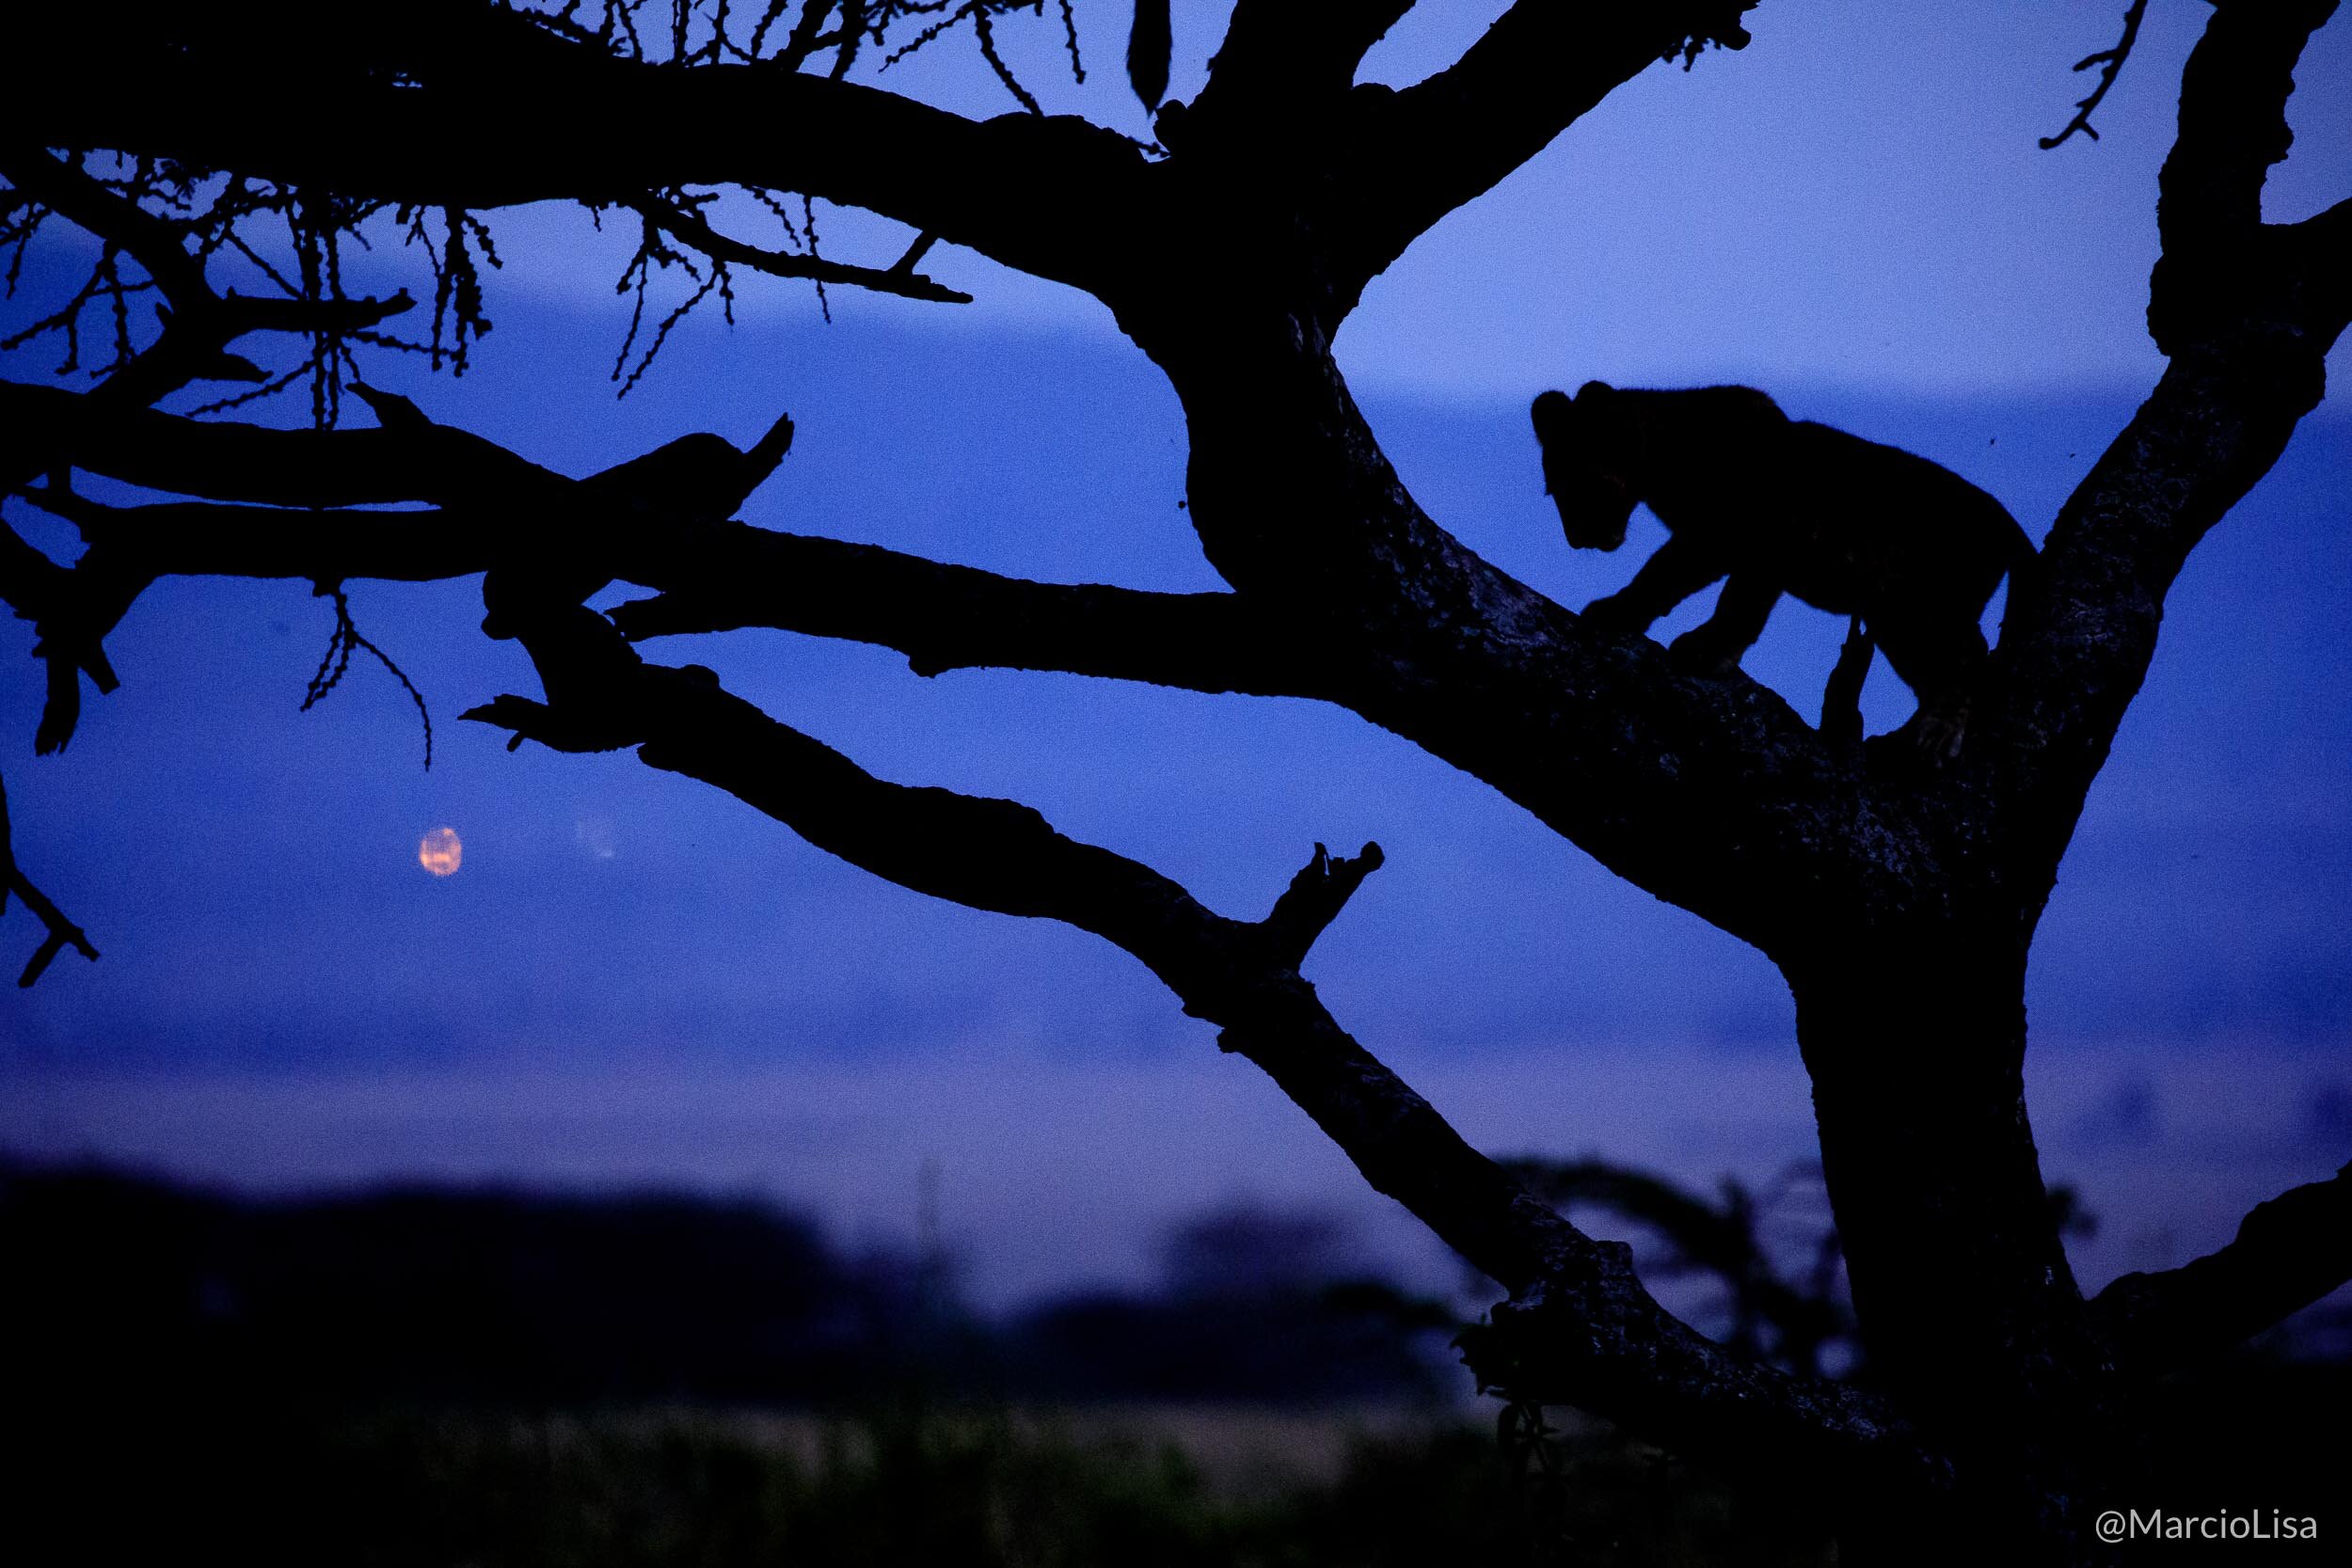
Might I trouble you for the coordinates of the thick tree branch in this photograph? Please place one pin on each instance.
(1581, 1327)
(656, 520)
(1442, 142)
(2321, 247)
(206, 539)
(1315, 899)
(2289, 1252)
(1286, 58)
(947, 617)
(725, 576)
(2224, 275)
(71, 611)
(428, 113)
(2234, 126)
(2246, 313)
(221, 460)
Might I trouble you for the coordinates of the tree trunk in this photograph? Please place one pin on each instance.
(1969, 1312)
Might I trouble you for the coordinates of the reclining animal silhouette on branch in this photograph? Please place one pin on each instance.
(1908, 549)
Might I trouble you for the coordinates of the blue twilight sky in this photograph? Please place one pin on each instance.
(633, 977)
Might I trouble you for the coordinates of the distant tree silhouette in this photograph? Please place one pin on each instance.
(1252, 1306)
(1799, 1319)
(1899, 902)
(137, 1287)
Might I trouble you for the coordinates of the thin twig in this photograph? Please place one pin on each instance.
(336, 661)
(62, 932)
(2111, 60)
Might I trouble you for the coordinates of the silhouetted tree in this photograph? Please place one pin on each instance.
(1899, 903)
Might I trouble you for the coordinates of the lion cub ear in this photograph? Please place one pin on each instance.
(1552, 412)
(1595, 392)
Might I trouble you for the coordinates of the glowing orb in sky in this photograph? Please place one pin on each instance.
(439, 852)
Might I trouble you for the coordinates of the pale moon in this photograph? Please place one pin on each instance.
(439, 852)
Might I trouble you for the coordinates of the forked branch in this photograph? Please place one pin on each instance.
(61, 932)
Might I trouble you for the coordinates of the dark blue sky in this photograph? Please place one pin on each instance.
(1851, 214)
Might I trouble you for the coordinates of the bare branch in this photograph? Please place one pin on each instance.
(1313, 900)
(914, 253)
(243, 313)
(1581, 1327)
(71, 611)
(1425, 151)
(61, 932)
(947, 617)
(2110, 61)
(2290, 1251)
(204, 539)
(346, 639)
(899, 279)
(50, 428)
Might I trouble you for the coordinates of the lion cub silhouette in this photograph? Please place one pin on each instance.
(1907, 548)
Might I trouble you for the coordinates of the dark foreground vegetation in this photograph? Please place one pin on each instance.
(435, 1376)
(445, 1376)
(895, 1484)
